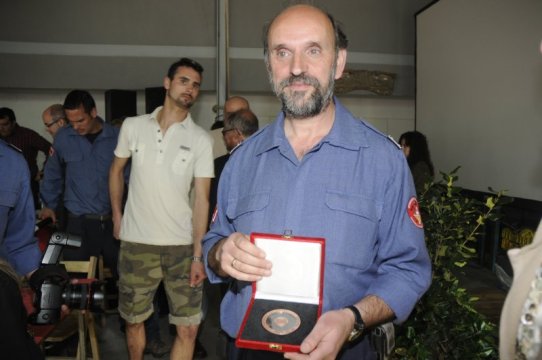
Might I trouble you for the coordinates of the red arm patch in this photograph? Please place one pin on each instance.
(413, 210)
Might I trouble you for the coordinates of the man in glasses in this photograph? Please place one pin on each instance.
(54, 119)
(231, 105)
(238, 126)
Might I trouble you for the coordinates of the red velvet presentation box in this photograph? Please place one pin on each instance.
(286, 305)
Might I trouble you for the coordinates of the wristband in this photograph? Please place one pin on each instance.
(197, 258)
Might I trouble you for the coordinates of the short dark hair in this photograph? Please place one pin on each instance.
(341, 41)
(186, 62)
(243, 120)
(76, 98)
(7, 113)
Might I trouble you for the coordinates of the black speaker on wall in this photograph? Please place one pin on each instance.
(154, 97)
(120, 104)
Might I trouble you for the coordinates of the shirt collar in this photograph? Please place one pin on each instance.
(107, 130)
(187, 123)
(344, 132)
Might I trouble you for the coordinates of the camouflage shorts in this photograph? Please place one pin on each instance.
(141, 269)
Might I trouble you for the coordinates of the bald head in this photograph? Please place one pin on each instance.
(303, 11)
(54, 118)
(305, 52)
(233, 104)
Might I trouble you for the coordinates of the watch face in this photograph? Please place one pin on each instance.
(354, 334)
(359, 325)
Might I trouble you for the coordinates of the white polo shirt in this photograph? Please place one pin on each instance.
(162, 169)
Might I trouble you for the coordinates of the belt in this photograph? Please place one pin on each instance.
(100, 217)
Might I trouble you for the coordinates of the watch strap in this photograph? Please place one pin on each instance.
(359, 324)
(357, 315)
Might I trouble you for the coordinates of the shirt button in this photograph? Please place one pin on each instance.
(159, 140)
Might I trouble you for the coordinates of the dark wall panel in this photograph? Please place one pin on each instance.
(154, 97)
(120, 104)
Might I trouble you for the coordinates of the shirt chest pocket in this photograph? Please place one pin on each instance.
(75, 166)
(138, 154)
(248, 210)
(354, 222)
(183, 163)
(8, 198)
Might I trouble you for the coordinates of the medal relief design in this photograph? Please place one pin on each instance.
(281, 321)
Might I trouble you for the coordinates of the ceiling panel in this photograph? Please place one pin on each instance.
(130, 43)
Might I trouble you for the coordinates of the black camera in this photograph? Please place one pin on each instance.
(53, 287)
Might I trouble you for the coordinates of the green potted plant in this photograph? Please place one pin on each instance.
(444, 324)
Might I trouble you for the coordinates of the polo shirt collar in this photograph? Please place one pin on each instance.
(187, 123)
(344, 132)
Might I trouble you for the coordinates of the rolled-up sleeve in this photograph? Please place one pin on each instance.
(404, 273)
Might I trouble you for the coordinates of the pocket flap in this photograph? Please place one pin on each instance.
(73, 156)
(353, 204)
(248, 203)
(8, 198)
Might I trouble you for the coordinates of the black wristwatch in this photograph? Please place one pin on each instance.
(359, 325)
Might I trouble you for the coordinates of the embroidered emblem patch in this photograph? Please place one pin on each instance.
(413, 210)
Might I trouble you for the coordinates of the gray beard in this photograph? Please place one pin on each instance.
(294, 106)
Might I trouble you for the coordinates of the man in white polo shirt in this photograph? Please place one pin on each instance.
(160, 234)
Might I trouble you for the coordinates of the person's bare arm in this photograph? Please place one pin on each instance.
(200, 216)
(116, 191)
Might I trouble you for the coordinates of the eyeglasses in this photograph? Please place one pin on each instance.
(51, 123)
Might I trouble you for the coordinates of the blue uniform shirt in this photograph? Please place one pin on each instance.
(353, 189)
(80, 168)
(17, 215)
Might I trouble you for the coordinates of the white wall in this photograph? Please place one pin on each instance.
(479, 92)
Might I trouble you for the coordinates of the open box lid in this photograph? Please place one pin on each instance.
(297, 268)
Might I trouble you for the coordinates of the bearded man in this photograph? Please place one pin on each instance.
(317, 171)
